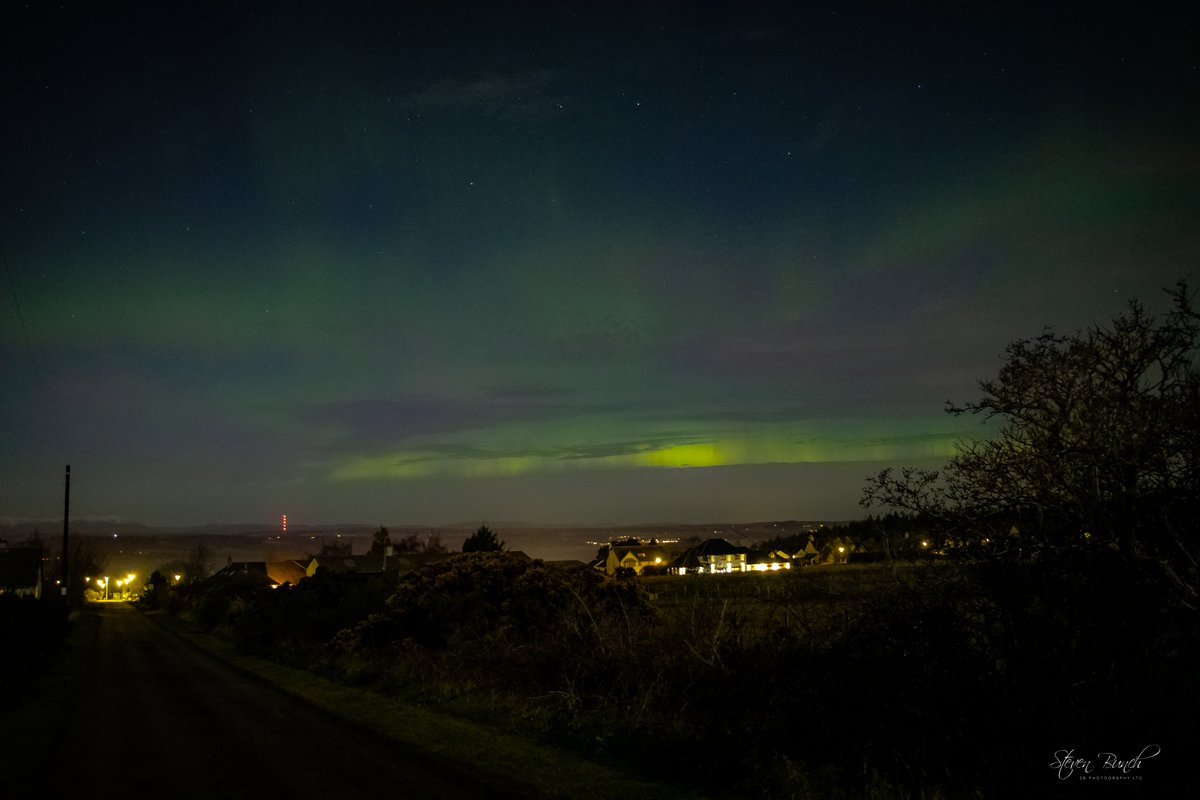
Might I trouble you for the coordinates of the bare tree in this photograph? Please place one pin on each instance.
(1099, 444)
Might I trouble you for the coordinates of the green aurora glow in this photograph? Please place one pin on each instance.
(353, 273)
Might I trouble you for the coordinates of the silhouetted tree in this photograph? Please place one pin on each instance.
(408, 544)
(483, 541)
(1099, 445)
(381, 542)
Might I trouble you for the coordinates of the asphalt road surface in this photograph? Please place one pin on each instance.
(158, 718)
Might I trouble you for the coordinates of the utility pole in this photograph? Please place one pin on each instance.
(66, 517)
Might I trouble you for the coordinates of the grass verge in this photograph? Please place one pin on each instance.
(509, 762)
(30, 726)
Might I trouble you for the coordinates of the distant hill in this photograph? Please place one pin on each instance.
(50, 530)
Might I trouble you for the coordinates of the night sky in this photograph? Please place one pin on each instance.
(438, 263)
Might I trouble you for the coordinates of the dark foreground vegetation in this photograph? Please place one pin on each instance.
(33, 631)
(940, 679)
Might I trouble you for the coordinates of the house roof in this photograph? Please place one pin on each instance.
(766, 557)
(233, 568)
(719, 547)
(641, 552)
(341, 563)
(694, 557)
(689, 559)
(363, 565)
(282, 572)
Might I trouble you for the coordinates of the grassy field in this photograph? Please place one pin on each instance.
(838, 581)
(812, 601)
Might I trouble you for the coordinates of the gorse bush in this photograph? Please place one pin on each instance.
(296, 623)
(502, 615)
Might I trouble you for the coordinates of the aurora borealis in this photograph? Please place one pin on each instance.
(435, 263)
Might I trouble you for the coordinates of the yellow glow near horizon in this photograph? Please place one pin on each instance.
(683, 455)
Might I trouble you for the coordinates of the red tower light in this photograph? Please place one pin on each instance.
(285, 523)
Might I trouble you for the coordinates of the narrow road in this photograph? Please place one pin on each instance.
(157, 717)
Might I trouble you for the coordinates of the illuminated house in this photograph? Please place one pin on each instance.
(636, 557)
(809, 554)
(768, 562)
(711, 557)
